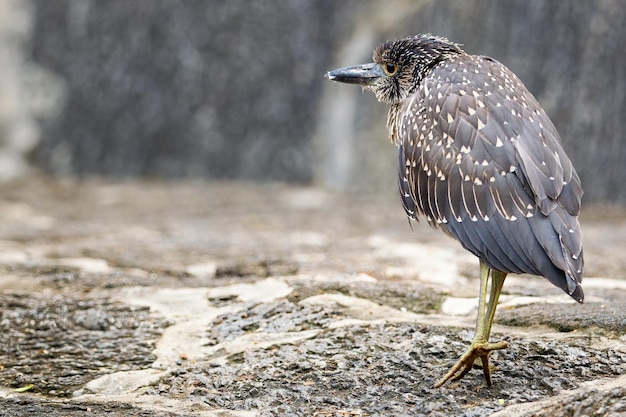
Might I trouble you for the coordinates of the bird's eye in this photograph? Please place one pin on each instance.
(390, 69)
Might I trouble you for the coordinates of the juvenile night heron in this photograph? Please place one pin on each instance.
(480, 159)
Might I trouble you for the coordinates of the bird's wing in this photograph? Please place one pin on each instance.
(481, 157)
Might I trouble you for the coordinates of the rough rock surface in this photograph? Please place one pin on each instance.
(231, 299)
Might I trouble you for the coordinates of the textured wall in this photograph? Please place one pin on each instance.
(184, 88)
(235, 89)
(24, 94)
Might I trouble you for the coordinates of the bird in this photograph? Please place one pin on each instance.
(479, 159)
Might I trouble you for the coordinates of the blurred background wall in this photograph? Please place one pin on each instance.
(235, 89)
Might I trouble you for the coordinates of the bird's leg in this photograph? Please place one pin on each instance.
(480, 347)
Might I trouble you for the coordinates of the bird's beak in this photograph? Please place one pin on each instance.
(359, 74)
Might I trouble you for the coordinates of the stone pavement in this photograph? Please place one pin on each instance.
(231, 299)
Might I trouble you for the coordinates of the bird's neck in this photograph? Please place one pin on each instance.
(392, 123)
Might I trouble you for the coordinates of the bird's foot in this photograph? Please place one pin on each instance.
(478, 349)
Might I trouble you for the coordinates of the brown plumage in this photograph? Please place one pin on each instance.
(479, 158)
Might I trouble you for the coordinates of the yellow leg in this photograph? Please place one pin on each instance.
(480, 347)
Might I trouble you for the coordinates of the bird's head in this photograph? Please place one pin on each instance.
(399, 66)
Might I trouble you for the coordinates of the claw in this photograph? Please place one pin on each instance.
(478, 349)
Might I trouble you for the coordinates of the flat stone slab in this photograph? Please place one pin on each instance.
(193, 299)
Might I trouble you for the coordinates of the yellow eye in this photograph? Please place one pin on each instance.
(390, 69)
